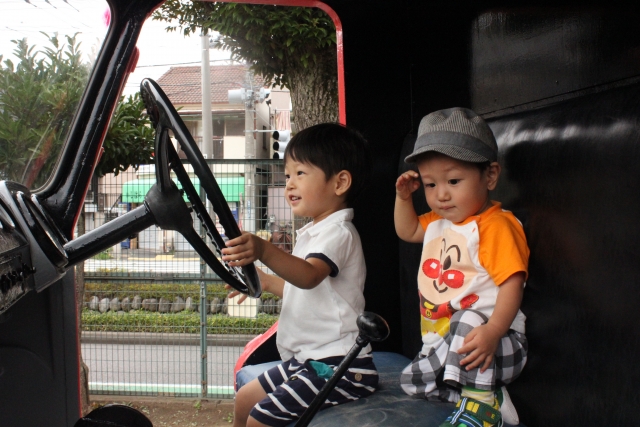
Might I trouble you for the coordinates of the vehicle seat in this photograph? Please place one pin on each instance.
(388, 406)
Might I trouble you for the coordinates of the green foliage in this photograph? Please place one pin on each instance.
(183, 322)
(38, 97)
(275, 40)
(129, 140)
(104, 255)
(288, 46)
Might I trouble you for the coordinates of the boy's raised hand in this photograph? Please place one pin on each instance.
(243, 250)
(406, 221)
(407, 183)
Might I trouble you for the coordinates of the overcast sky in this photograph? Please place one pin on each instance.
(159, 50)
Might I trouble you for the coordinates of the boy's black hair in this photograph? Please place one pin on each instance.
(333, 147)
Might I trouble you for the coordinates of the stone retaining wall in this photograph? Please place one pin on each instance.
(162, 305)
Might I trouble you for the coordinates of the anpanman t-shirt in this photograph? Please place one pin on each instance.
(463, 264)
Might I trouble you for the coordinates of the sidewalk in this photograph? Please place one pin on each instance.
(150, 338)
(151, 263)
(152, 255)
(147, 261)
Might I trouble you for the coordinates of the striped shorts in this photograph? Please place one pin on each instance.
(439, 376)
(291, 386)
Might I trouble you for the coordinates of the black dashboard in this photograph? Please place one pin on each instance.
(32, 256)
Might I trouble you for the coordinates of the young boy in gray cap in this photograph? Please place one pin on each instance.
(472, 272)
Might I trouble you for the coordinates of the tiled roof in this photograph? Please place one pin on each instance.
(182, 84)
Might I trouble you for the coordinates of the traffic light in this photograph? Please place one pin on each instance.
(282, 138)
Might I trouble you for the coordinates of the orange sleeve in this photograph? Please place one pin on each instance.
(503, 247)
(426, 219)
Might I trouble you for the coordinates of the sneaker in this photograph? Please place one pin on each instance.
(508, 411)
(472, 413)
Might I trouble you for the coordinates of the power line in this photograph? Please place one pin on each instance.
(186, 63)
(71, 21)
(70, 4)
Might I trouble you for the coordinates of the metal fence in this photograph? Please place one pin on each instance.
(156, 319)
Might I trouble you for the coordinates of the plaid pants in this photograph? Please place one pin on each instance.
(439, 376)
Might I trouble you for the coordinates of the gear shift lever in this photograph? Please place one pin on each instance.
(371, 327)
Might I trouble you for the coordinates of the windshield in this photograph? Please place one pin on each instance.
(47, 51)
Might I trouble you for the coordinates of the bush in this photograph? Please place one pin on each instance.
(183, 322)
(104, 255)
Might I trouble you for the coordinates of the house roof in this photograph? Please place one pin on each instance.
(183, 84)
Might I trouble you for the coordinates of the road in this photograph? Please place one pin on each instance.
(172, 370)
(141, 261)
(151, 265)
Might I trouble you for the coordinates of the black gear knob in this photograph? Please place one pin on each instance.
(372, 328)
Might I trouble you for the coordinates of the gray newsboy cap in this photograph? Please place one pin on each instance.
(455, 132)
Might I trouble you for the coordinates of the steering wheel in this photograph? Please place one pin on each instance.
(165, 200)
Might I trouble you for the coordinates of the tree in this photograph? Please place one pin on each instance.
(38, 97)
(289, 46)
(129, 140)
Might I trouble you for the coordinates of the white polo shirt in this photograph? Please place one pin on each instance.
(321, 322)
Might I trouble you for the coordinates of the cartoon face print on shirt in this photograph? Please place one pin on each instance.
(446, 270)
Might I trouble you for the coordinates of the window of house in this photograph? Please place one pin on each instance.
(234, 127)
(218, 127)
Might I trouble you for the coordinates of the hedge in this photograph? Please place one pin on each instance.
(182, 322)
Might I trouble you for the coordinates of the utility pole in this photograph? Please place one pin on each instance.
(207, 126)
(249, 153)
(249, 110)
(206, 146)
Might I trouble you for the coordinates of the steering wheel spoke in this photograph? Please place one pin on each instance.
(164, 198)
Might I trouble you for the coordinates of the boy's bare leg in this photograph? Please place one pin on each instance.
(252, 422)
(246, 399)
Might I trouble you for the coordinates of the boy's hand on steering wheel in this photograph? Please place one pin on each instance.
(480, 346)
(407, 183)
(243, 250)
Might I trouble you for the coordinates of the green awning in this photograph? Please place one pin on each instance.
(232, 187)
(134, 191)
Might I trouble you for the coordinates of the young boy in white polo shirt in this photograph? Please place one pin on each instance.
(321, 284)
